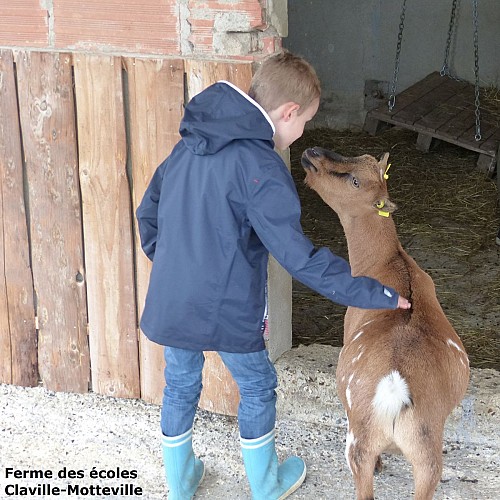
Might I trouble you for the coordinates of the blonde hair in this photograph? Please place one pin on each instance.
(285, 77)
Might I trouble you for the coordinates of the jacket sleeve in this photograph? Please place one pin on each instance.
(147, 213)
(274, 212)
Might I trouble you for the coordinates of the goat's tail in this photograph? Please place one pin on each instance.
(391, 395)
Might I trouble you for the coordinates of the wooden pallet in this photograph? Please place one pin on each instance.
(442, 108)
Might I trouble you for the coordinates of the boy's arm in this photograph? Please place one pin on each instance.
(274, 212)
(147, 213)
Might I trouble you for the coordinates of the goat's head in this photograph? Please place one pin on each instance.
(351, 186)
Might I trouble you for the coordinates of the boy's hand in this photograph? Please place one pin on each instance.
(403, 303)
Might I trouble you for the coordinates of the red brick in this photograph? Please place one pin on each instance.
(23, 23)
(118, 25)
(209, 9)
(201, 23)
(270, 44)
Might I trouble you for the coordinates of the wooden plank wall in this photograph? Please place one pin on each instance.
(80, 137)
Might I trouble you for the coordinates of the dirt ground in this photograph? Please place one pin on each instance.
(90, 441)
(447, 220)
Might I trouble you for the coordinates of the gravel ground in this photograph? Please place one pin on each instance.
(86, 443)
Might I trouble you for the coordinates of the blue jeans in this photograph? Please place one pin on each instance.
(253, 372)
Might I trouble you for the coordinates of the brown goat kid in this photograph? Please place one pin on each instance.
(400, 372)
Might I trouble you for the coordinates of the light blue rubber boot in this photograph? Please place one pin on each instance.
(183, 471)
(268, 480)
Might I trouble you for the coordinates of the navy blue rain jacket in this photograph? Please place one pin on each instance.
(213, 211)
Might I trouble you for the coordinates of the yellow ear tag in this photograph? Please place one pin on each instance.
(383, 213)
(386, 175)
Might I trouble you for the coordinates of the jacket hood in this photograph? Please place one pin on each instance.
(221, 114)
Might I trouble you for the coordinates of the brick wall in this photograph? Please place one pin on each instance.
(223, 29)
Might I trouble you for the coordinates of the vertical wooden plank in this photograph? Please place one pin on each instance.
(47, 114)
(156, 96)
(107, 226)
(279, 298)
(220, 392)
(201, 74)
(18, 355)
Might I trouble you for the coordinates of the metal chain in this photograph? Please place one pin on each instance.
(445, 70)
(392, 96)
(476, 70)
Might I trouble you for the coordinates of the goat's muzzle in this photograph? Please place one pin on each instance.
(305, 160)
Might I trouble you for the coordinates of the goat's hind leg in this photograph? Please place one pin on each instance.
(426, 456)
(427, 472)
(362, 463)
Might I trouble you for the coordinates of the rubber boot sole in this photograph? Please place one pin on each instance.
(294, 486)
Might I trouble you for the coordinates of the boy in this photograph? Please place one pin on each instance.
(213, 211)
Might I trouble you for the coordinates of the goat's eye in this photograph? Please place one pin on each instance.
(355, 182)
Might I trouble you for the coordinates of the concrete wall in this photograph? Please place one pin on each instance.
(350, 43)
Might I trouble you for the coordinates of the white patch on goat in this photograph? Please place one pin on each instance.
(349, 442)
(348, 392)
(367, 323)
(391, 395)
(357, 335)
(348, 397)
(455, 345)
(357, 357)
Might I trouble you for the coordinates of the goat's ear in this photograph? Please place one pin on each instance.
(383, 160)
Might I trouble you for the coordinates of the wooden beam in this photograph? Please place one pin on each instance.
(107, 226)
(18, 352)
(47, 114)
(156, 97)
